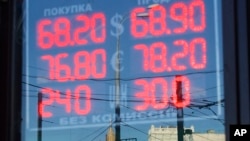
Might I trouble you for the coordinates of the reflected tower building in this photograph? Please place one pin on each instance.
(110, 136)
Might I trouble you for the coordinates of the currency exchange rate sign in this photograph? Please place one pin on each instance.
(85, 59)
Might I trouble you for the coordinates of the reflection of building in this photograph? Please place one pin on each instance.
(170, 134)
(110, 136)
(162, 133)
(210, 135)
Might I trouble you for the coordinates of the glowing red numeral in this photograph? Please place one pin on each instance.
(96, 26)
(144, 95)
(183, 54)
(155, 94)
(62, 69)
(148, 95)
(155, 57)
(65, 101)
(94, 70)
(159, 102)
(82, 29)
(201, 25)
(144, 49)
(85, 64)
(82, 66)
(61, 28)
(62, 32)
(193, 60)
(158, 25)
(158, 62)
(185, 101)
(181, 16)
(79, 91)
(45, 39)
(56, 96)
(139, 27)
(45, 102)
(51, 65)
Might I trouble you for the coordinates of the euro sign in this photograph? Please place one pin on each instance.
(115, 60)
(116, 21)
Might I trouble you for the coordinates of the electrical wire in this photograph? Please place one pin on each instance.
(104, 94)
(98, 135)
(94, 132)
(130, 79)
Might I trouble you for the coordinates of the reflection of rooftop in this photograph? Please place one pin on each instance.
(208, 137)
(169, 133)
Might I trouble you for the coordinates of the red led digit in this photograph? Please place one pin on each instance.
(179, 12)
(195, 63)
(185, 101)
(96, 27)
(98, 72)
(139, 27)
(158, 57)
(176, 56)
(144, 49)
(51, 61)
(66, 100)
(46, 101)
(63, 72)
(45, 39)
(82, 29)
(62, 32)
(157, 24)
(159, 102)
(143, 95)
(82, 96)
(197, 22)
(82, 65)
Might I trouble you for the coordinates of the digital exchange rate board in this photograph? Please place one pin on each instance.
(85, 60)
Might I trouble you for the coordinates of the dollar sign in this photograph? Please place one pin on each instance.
(116, 22)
